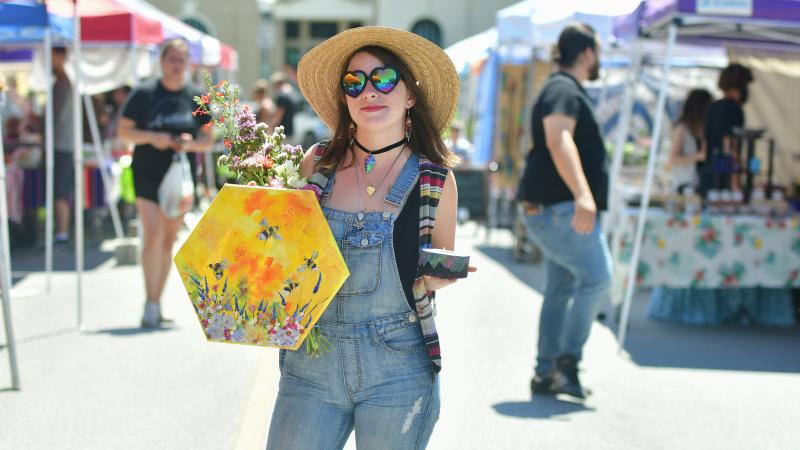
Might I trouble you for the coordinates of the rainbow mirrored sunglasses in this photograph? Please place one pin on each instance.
(384, 79)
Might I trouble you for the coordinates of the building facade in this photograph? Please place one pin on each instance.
(295, 26)
(273, 35)
(235, 22)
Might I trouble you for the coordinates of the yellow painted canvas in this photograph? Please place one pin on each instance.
(261, 266)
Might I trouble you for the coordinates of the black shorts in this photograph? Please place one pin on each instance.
(146, 188)
(63, 175)
(149, 168)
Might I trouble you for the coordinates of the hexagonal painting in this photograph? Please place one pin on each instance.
(261, 266)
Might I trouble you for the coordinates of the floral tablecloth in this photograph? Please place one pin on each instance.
(713, 251)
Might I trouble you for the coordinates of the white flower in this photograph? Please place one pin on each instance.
(296, 182)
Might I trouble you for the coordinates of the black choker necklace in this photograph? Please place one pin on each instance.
(369, 162)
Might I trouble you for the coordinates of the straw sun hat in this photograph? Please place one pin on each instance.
(319, 71)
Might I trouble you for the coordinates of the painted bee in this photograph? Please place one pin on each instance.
(218, 268)
(268, 231)
(290, 286)
(310, 263)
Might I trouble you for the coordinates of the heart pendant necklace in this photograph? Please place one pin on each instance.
(369, 161)
(372, 189)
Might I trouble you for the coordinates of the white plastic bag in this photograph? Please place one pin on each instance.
(176, 192)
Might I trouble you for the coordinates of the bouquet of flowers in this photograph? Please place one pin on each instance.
(255, 156)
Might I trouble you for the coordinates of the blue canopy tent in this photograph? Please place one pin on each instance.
(25, 24)
(739, 23)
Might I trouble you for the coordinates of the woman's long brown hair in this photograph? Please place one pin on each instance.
(425, 138)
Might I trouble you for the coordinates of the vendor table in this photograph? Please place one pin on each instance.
(713, 269)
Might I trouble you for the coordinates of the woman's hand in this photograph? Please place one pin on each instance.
(436, 283)
(162, 141)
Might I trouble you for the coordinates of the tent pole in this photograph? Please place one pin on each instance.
(623, 128)
(49, 161)
(648, 184)
(613, 219)
(5, 270)
(78, 160)
(102, 165)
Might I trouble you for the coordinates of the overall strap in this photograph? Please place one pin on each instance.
(405, 181)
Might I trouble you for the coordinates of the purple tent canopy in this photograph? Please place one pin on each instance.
(16, 55)
(749, 23)
(780, 10)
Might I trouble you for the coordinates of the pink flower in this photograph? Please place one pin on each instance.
(276, 183)
(314, 188)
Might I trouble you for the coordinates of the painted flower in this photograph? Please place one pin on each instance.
(238, 335)
(256, 335)
(219, 326)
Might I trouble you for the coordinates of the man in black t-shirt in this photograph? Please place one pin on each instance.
(563, 188)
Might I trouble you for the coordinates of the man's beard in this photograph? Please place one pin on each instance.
(594, 71)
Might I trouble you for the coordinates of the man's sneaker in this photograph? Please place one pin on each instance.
(568, 381)
(543, 385)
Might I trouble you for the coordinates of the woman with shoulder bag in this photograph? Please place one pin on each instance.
(157, 118)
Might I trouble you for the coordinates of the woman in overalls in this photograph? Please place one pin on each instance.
(386, 192)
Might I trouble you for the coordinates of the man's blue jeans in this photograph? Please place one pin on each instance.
(578, 269)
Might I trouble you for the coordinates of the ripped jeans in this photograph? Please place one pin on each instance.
(373, 380)
(376, 380)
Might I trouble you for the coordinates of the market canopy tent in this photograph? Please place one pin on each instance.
(763, 24)
(21, 23)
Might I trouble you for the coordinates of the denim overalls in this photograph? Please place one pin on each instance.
(377, 376)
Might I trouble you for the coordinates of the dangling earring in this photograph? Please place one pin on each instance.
(408, 124)
(351, 133)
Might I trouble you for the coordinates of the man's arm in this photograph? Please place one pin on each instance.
(558, 131)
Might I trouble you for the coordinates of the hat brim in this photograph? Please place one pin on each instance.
(320, 68)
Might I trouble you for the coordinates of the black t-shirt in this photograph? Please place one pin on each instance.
(154, 108)
(285, 101)
(541, 183)
(722, 117)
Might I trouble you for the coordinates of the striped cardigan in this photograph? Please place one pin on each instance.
(431, 183)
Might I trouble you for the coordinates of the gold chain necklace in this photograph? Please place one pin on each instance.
(359, 224)
(372, 189)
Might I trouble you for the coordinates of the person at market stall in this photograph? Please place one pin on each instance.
(688, 146)
(388, 95)
(158, 120)
(562, 191)
(63, 145)
(723, 116)
(285, 105)
(458, 144)
(263, 106)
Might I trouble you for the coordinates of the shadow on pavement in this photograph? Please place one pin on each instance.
(655, 344)
(529, 273)
(755, 349)
(543, 407)
(132, 331)
(39, 337)
(27, 260)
